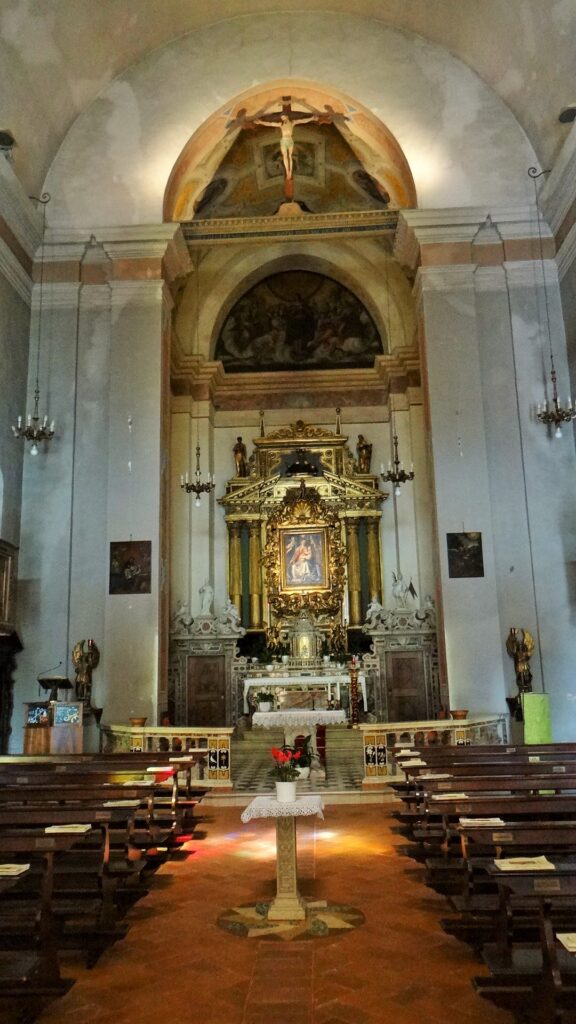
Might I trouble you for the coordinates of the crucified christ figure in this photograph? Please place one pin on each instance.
(286, 126)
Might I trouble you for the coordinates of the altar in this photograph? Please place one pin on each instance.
(297, 721)
(304, 681)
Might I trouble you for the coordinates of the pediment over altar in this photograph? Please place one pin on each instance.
(345, 493)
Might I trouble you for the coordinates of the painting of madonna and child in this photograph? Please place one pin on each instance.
(303, 560)
(298, 320)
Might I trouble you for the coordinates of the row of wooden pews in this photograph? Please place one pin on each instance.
(80, 839)
(495, 828)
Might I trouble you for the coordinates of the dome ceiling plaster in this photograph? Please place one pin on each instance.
(56, 58)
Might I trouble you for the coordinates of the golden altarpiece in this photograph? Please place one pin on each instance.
(304, 564)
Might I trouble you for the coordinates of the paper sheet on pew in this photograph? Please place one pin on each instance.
(524, 864)
(416, 762)
(450, 796)
(13, 869)
(434, 775)
(165, 769)
(120, 803)
(470, 822)
(568, 940)
(137, 782)
(404, 753)
(76, 829)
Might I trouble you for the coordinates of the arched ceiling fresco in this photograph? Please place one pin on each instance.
(57, 57)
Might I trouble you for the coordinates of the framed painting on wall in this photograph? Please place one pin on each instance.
(465, 557)
(130, 567)
(304, 559)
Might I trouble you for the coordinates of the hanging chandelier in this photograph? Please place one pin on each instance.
(197, 486)
(552, 414)
(36, 429)
(397, 475)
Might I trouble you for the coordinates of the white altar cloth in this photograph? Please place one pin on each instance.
(269, 807)
(298, 718)
(269, 682)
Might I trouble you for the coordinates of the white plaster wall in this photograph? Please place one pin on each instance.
(14, 328)
(461, 481)
(133, 507)
(550, 481)
(462, 143)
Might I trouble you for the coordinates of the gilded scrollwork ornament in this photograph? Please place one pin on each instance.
(304, 558)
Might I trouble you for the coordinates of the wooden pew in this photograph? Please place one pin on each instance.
(109, 872)
(29, 982)
(539, 977)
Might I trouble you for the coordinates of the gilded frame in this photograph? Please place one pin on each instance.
(304, 559)
(304, 513)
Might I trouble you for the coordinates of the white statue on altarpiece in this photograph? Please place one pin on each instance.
(206, 592)
(373, 613)
(180, 620)
(230, 618)
(401, 590)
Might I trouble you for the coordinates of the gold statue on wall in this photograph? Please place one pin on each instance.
(520, 647)
(85, 661)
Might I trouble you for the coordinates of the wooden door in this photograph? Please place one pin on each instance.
(406, 686)
(206, 690)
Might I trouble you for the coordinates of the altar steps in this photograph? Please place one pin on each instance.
(252, 761)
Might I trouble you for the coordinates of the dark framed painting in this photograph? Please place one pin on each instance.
(130, 567)
(298, 320)
(465, 556)
(304, 559)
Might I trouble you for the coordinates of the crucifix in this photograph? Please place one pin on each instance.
(285, 121)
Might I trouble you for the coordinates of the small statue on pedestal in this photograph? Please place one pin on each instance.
(85, 661)
(206, 592)
(520, 647)
(364, 453)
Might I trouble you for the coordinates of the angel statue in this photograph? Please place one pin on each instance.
(520, 647)
(402, 590)
(84, 661)
(373, 613)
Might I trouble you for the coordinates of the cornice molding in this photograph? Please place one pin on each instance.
(306, 225)
(149, 292)
(531, 274)
(13, 271)
(18, 210)
(191, 374)
(461, 225)
(558, 193)
(56, 295)
(567, 253)
(490, 279)
(456, 277)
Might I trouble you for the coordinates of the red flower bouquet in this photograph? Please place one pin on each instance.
(286, 764)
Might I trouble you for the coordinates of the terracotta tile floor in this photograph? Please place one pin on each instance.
(177, 964)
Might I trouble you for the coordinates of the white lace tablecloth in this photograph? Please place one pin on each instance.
(270, 807)
(298, 718)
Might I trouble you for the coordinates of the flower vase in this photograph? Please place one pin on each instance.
(285, 792)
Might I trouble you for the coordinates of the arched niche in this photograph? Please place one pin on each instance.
(463, 145)
(365, 267)
(368, 139)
